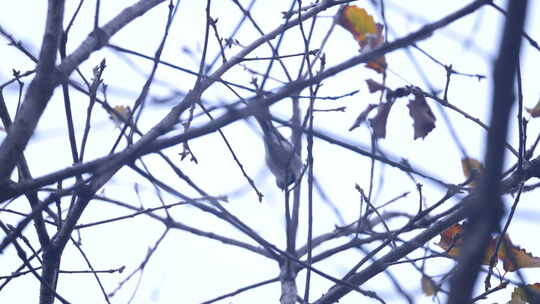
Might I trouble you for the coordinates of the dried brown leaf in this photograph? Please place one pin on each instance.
(423, 118)
(378, 123)
(362, 117)
(374, 86)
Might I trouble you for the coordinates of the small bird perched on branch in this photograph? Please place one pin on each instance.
(284, 163)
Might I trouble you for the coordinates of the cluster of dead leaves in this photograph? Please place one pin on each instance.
(512, 256)
(365, 31)
(527, 294)
(419, 110)
(369, 35)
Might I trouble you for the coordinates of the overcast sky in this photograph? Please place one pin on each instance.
(190, 269)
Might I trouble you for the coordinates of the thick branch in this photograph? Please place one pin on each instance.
(488, 212)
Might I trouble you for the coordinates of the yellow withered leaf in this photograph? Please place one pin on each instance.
(358, 22)
(472, 169)
(365, 31)
(119, 112)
